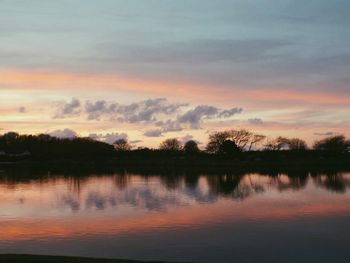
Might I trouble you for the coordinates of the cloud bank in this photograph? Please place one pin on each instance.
(158, 113)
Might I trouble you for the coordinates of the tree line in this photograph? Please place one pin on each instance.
(229, 142)
(44, 146)
(235, 141)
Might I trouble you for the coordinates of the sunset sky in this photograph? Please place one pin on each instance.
(150, 70)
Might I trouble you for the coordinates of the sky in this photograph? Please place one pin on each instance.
(147, 70)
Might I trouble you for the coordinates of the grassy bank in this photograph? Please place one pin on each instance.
(57, 259)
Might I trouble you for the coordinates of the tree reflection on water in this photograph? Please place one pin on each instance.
(161, 191)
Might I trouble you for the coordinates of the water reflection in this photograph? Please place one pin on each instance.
(122, 206)
(335, 182)
(155, 192)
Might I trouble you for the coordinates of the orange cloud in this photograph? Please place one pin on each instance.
(287, 95)
(39, 80)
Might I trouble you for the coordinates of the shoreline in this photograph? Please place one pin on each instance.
(183, 161)
(25, 258)
(40, 169)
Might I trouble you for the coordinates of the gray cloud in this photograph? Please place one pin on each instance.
(136, 141)
(96, 109)
(154, 112)
(22, 109)
(193, 118)
(230, 113)
(108, 137)
(324, 133)
(201, 51)
(153, 133)
(64, 134)
(142, 112)
(196, 116)
(284, 62)
(170, 125)
(256, 121)
(310, 43)
(150, 108)
(318, 12)
(187, 138)
(67, 109)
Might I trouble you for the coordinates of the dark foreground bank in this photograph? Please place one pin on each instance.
(56, 259)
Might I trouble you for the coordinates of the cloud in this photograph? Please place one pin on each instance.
(149, 110)
(229, 113)
(108, 137)
(141, 112)
(324, 133)
(68, 109)
(153, 133)
(170, 125)
(187, 138)
(198, 51)
(159, 112)
(196, 116)
(136, 141)
(96, 109)
(22, 109)
(256, 121)
(229, 55)
(64, 134)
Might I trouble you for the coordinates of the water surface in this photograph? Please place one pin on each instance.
(302, 217)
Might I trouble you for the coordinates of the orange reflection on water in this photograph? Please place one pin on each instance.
(199, 216)
(121, 206)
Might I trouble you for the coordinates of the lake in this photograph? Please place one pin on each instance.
(299, 217)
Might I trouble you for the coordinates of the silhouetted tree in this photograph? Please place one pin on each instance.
(255, 140)
(191, 147)
(241, 137)
(216, 139)
(10, 136)
(244, 139)
(122, 145)
(296, 144)
(172, 144)
(277, 144)
(337, 144)
(283, 143)
(228, 147)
